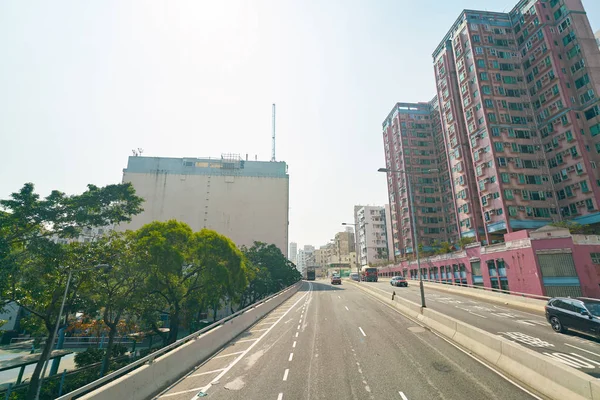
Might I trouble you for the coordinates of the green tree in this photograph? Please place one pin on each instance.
(577, 228)
(443, 248)
(464, 241)
(181, 266)
(34, 266)
(273, 271)
(114, 291)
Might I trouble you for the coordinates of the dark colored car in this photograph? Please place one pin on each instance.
(579, 314)
(399, 281)
(336, 280)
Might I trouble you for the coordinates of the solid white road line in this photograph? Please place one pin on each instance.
(280, 397)
(403, 396)
(258, 330)
(361, 331)
(218, 377)
(227, 355)
(208, 372)
(291, 357)
(347, 308)
(285, 374)
(462, 350)
(579, 348)
(294, 345)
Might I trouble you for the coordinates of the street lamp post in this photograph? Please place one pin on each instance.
(414, 227)
(51, 338)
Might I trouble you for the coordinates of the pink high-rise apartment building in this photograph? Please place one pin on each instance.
(414, 150)
(520, 108)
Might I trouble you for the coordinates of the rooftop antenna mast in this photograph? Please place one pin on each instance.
(273, 137)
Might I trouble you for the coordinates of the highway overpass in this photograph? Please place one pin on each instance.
(351, 342)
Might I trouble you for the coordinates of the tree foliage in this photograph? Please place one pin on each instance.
(185, 267)
(122, 282)
(578, 229)
(35, 267)
(271, 269)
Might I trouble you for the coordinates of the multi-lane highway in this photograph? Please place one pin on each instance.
(528, 329)
(337, 342)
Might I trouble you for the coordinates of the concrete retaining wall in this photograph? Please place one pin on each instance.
(543, 374)
(148, 380)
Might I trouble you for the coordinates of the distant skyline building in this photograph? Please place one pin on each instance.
(246, 201)
(370, 222)
(306, 257)
(293, 254)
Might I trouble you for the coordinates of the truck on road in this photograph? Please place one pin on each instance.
(310, 274)
(368, 274)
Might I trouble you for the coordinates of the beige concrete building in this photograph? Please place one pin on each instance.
(245, 200)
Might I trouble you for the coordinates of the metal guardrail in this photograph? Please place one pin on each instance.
(488, 289)
(74, 340)
(150, 357)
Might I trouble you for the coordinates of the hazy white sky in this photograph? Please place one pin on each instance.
(84, 82)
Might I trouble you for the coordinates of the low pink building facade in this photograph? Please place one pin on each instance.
(548, 261)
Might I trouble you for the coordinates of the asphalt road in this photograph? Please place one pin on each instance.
(337, 342)
(529, 329)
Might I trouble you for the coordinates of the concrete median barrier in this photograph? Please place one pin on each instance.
(149, 379)
(548, 377)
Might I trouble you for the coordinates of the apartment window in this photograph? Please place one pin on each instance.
(505, 177)
(581, 82)
(489, 103)
(486, 89)
(483, 76)
(595, 258)
(512, 211)
(573, 151)
(584, 187)
(499, 146)
(480, 63)
(589, 204)
(508, 194)
(594, 130)
(492, 117)
(478, 50)
(569, 135)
